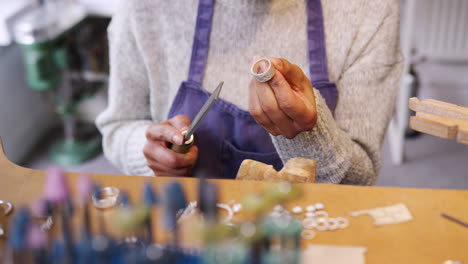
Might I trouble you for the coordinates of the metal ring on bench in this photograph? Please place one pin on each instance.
(7, 207)
(108, 197)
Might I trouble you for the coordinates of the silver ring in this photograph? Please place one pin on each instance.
(264, 76)
(333, 224)
(109, 197)
(309, 223)
(296, 210)
(319, 206)
(307, 234)
(311, 208)
(323, 214)
(342, 222)
(310, 215)
(322, 225)
(7, 207)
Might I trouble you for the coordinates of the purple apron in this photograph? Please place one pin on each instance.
(228, 134)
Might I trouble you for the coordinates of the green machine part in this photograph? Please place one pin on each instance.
(44, 63)
(41, 33)
(45, 34)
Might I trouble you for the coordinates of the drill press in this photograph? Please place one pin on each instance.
(45, 35)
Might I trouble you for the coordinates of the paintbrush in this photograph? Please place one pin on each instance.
(42, 210)
(57, 253)
(57, 192)
(174, 201)
(101, 244)
(124, 199)
(18, 235)
(37, 242)
(85, 187)
(98, 195)
(149, 200)
(208, 199)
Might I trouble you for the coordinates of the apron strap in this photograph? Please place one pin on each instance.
(201, 40)
(317, 54)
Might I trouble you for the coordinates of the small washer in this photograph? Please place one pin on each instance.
(342, 222)
(333, 224)
(109, 197)
(311, 208)
(319, 206)
(309, 223)
(307, 234)
(310, 215)
(323, 214)
(297, 209)
(322, 225)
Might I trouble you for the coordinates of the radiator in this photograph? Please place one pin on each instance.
(440, 30)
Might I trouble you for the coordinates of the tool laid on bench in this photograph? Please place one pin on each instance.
(440, 119)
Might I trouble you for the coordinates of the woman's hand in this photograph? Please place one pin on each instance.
(163, 160)
(285, 105)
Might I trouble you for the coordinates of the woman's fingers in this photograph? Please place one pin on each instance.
(256, 110)
(294, 94)
(161, 159)
(169, 131)
(181, 122)
(159, 152)
(272, 110)
(160, 169)
(286, 103)
(164, 132)
(292, 73)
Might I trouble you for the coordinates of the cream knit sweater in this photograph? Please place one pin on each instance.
(150, 48)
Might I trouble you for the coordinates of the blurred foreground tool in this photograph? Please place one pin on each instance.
(295, 170)
(440, 119)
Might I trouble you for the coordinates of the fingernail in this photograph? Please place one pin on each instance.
(177, 140)
(277, 62)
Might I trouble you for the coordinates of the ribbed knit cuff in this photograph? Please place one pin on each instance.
(134, 161)
(326, 143)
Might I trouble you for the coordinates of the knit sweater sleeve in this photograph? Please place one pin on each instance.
(124, 122)
(347, 146)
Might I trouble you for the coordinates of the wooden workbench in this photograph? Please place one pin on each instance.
(428, 238)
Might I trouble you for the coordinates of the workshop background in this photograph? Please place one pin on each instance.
(47, 118)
